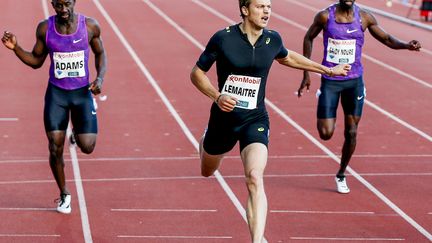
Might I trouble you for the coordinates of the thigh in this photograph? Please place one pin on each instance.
(352, 98)
(220, 137)
(83, 112)
(328, 99)
(257, 131)
(56, 110)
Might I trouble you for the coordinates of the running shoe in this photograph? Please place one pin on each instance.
(64, 204)
(341, 185)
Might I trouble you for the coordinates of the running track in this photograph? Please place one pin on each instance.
(142, 183)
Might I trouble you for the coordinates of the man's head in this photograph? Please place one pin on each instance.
(256, 12)
(64, 9)
(243, 3)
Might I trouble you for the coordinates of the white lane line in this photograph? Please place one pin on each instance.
(77, 174)
(345, 239)
(322, 212)
(273, 157)
(174, 237)
(27, 209)
(205, 179)
(165, 100)
(26, 235)
(374, 190)
(5, 119)
(165, 210)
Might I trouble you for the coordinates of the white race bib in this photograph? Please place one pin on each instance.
(244, 88)
(341, 51)
(69, 64)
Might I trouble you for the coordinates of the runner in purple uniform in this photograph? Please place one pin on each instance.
(67, 38)
(344, 24)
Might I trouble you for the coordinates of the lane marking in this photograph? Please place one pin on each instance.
(205, 179)
(167, 210)
(322, 212)
(27, 235)
(174, 237)
(27, 209)
(77, 174)
(273, 157)
(346, 239)
(165, 100)
(8, 119)
(374, 190)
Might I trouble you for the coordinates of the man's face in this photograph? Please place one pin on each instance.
(64, 8)
(258, 13)
(346, 3)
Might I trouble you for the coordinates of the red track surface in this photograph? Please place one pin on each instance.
(142, 184)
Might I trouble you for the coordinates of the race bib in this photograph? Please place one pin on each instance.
(69, 64)
(341, 51)
(244, 88)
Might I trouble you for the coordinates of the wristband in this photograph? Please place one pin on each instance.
(218, 98)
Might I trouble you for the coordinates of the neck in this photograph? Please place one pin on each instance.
(250, 30)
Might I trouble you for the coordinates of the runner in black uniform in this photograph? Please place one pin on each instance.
(244, 54)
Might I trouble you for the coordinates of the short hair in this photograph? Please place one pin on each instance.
(244, 3)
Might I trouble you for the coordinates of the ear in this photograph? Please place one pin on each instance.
(245, 11)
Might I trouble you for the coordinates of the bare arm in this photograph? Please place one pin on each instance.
(201, 81)
(378, 33)
(37, 56)
(298, 61)
(98, 49)
(317, 26)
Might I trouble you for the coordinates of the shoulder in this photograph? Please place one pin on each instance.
(42, 28)
(366, 16)
(92, 24)
(226, 32)
(323, 14)
(272, 34)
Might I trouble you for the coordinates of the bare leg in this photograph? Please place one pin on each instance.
(254, 158)
(56, 145)
(86, 142)
(350, 133)
(209, 163)
(326, 128)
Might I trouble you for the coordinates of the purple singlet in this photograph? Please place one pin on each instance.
(69, 56)
(343, 43)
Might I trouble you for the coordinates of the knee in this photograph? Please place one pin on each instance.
(351, 135)
(87, 148)
(325, 134)
(55, 150)
(254, 180)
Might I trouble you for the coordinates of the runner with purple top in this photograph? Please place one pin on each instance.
(344, 24)
(67, 38)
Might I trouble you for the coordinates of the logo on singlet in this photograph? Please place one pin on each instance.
(351, 31)
(261, 129)
(76, 41)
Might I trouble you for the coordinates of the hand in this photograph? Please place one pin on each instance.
(305, 83)
(341, 70)
(9, 40)
(226, 102)
(96, 86)
(414, 45)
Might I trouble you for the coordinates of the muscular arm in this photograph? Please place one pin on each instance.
(298, 61)
(98, 49)
(317, 26)
(37, 56)
(378, 33)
